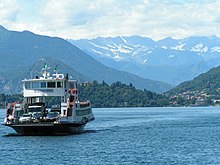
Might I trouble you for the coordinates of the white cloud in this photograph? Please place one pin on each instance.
(87, 19)
(8, 11)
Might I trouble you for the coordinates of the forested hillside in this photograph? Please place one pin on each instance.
(104, 95)
(203, 90)
(120, 95)
(208, 82)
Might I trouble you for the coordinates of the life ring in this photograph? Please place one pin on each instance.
(74, 91)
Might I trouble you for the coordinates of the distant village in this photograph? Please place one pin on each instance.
(194, 98)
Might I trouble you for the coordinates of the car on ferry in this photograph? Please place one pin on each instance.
(52, 116)
(36, 115)
(25, 118)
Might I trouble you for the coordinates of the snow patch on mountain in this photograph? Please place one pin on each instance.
(117, 57)
(123, 40)
(119, 48)
(199, 48)
(96, 51)
(178, 47)
(145, 61)
(134, 54)
(215, 49)
(205, 49)
(136, 46)
(123, 50)
(111, 46)
(127, 47)
(164, 47)
(98, 46)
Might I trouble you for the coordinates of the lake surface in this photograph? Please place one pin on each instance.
(124, 136)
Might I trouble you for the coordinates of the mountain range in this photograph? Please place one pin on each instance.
(23, 53)
(169, 60)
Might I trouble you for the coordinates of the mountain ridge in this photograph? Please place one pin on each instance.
(19, 51)
(203, 90)
(147, 54)
(202, 83)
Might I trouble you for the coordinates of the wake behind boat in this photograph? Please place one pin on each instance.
(31, 117)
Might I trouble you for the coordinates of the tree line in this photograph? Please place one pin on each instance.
(104, 95)
(120, 95)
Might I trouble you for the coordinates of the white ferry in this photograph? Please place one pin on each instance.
(32, 117)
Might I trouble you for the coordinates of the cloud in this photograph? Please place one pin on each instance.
(88, 19)
(8, 10)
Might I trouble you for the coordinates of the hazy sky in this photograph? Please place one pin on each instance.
(91, 18)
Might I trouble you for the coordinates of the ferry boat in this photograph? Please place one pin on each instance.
(32, 117)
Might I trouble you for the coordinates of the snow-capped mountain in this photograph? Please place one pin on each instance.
(119, 48)
(169, 60)
(201, 45)
(24, 53)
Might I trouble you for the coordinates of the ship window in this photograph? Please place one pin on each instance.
(27, 85)
(43, 84)
(51, 84)
(59, 84)
(35, 84)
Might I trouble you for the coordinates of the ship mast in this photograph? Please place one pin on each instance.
(44, 71)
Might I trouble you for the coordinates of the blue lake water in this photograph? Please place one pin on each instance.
(124, 136)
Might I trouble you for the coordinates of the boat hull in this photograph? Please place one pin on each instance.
(48, 129)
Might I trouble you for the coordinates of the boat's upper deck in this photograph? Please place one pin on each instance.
(55, 85)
